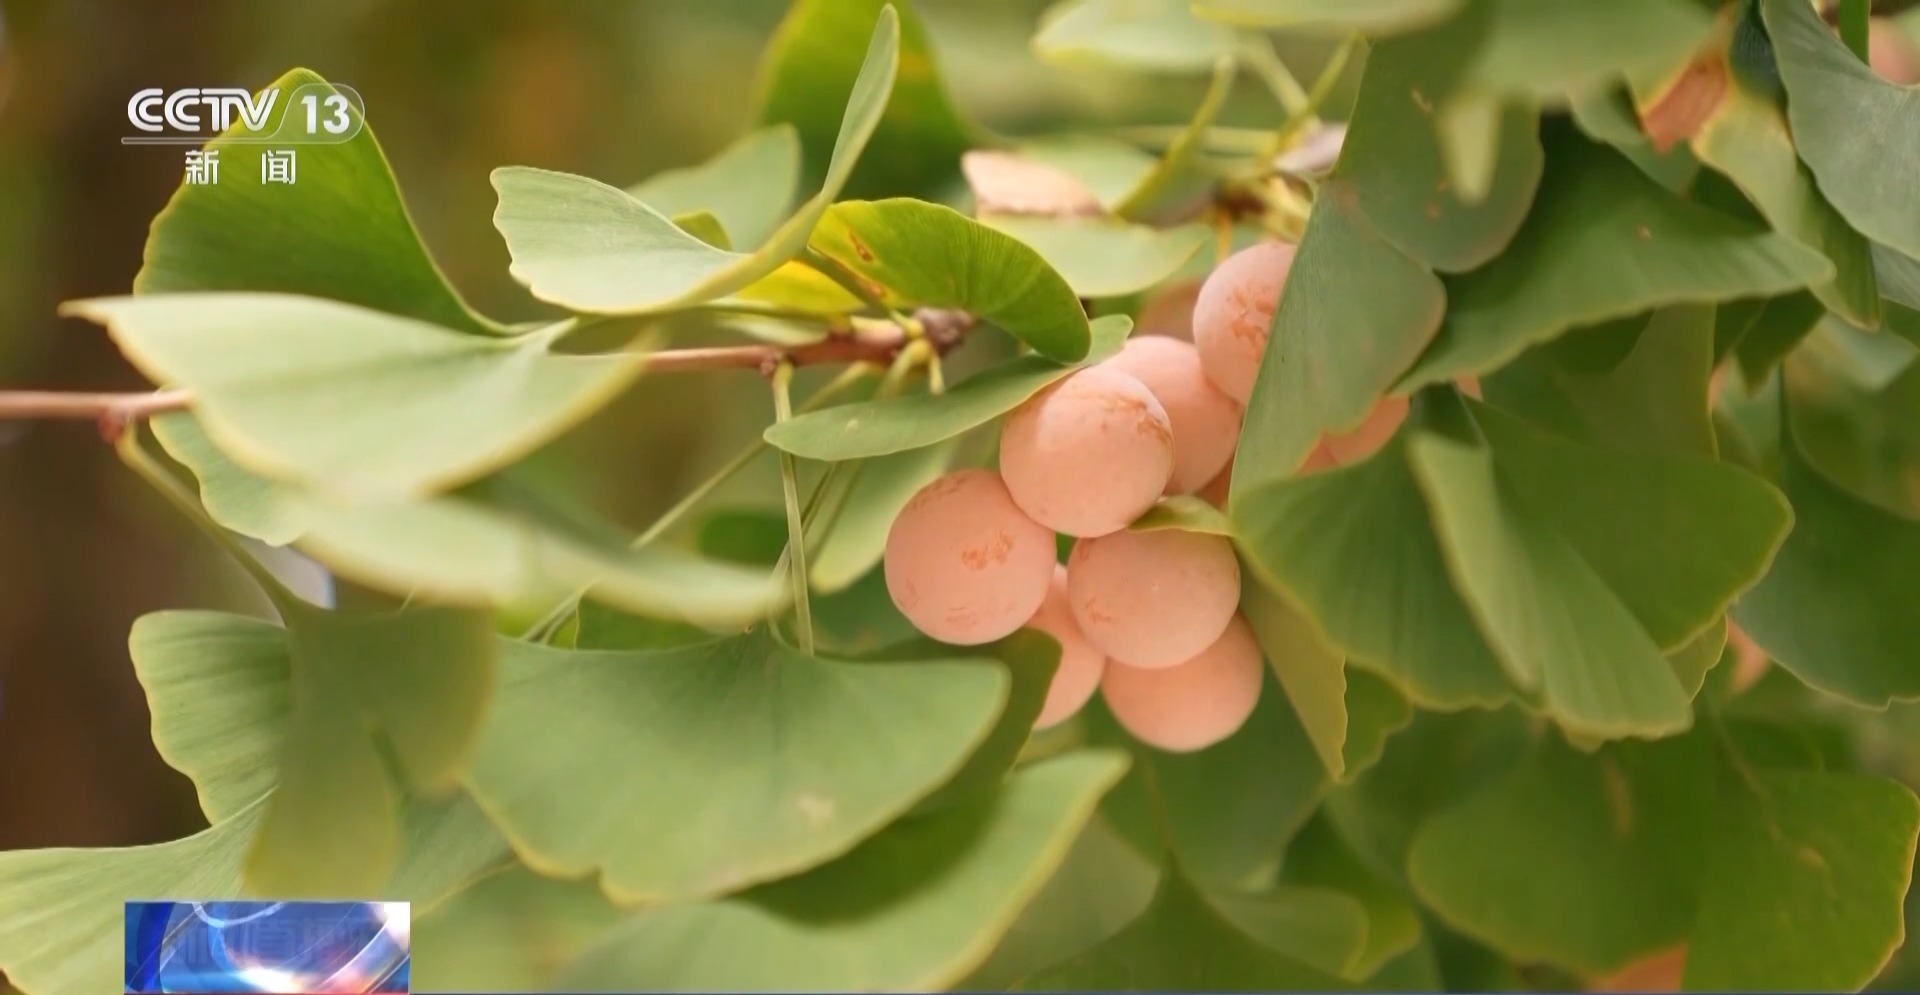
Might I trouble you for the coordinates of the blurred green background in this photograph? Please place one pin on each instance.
(615, 89)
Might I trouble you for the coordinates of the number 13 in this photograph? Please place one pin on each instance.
(336, 123)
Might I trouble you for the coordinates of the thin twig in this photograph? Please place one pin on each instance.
(23, 404)
(878, 345)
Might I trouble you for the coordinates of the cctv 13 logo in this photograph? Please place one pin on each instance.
(313, 114)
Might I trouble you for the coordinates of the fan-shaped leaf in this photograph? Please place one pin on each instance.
(588, 246)
(764, 757)
(1374, 17)
(933, 255)
(1101, 257)
(341, 232)
(1603, 242)
(749, 187)
(913, 909)
(356, 402)
(1161, 35)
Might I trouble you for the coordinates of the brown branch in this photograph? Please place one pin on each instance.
(944, 329)
(20, 404)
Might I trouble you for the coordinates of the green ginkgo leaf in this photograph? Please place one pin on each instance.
(1549, 49)
(1182, 943)
(935, 256)
(763, 756)
(1373, 17)
(1321, 858)
(1653, 398)
(1587, 861)
(461, 550)
(814, 60)
(1312, 673)
(1831, 610)
(1111, 169)
(897, 424)
(1747, 139)
(913, 909)
(1185, 513)
(1102, 885)
(1559, 630)
(1162, 35)
(1604, 241)
(1355, 549)
(1375, 711)
(1850, 126)
(1355, 313)
(748, 187)
(1105, 257)
(1684, 503)
(1226, 812)
(510, 931)
(1832, 851)
(340, 231)
(355, 402)
(587, 246)
(1322, 928)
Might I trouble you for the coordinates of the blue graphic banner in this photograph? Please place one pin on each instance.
(283, 948)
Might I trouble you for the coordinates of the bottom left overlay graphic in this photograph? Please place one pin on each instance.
(283, 948)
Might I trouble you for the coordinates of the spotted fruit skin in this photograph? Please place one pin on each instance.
(1081, 662)
(1233, 312)
(1089, 454)
(964, 564)
(1153, 599)
(1195, 704)
(1206, 422)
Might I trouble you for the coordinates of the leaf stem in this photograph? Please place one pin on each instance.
(1266, 64)
(1308, 114)
(796, 529)
(136, 457)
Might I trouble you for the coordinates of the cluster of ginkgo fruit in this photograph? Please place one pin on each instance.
(1147, 617)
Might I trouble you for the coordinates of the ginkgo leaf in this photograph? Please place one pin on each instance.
(1182, 943)
(340, 231)
(1102, 257)
(1312, 673)
(936, 256)
(811, 63)
(356, 402)
(1159, 35)
(587, 246)
(1559, 630)
(748, 187)
(913, 909)
(1604, 241)
(1831, 610)
(1849, 124)
(1355, 549)
(764, 756)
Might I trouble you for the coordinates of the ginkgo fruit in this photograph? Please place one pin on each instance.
(964, 564)
(1206, 422)
(1153, 599)
(1192, 705)
(1089, 454)
(1081, 662)
(1233, 312)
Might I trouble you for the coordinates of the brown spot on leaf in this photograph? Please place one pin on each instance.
(859, 248)
(1420, 100)
(1645, 233)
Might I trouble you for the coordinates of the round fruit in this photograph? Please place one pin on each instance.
(1362, 442)
(1169, 311)
(1195, 704)
(1206, 423)
(964, 564)
(1892, 52)
(1087, 455)
(1081, 662)
(1153, 599)
(1233, 312)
